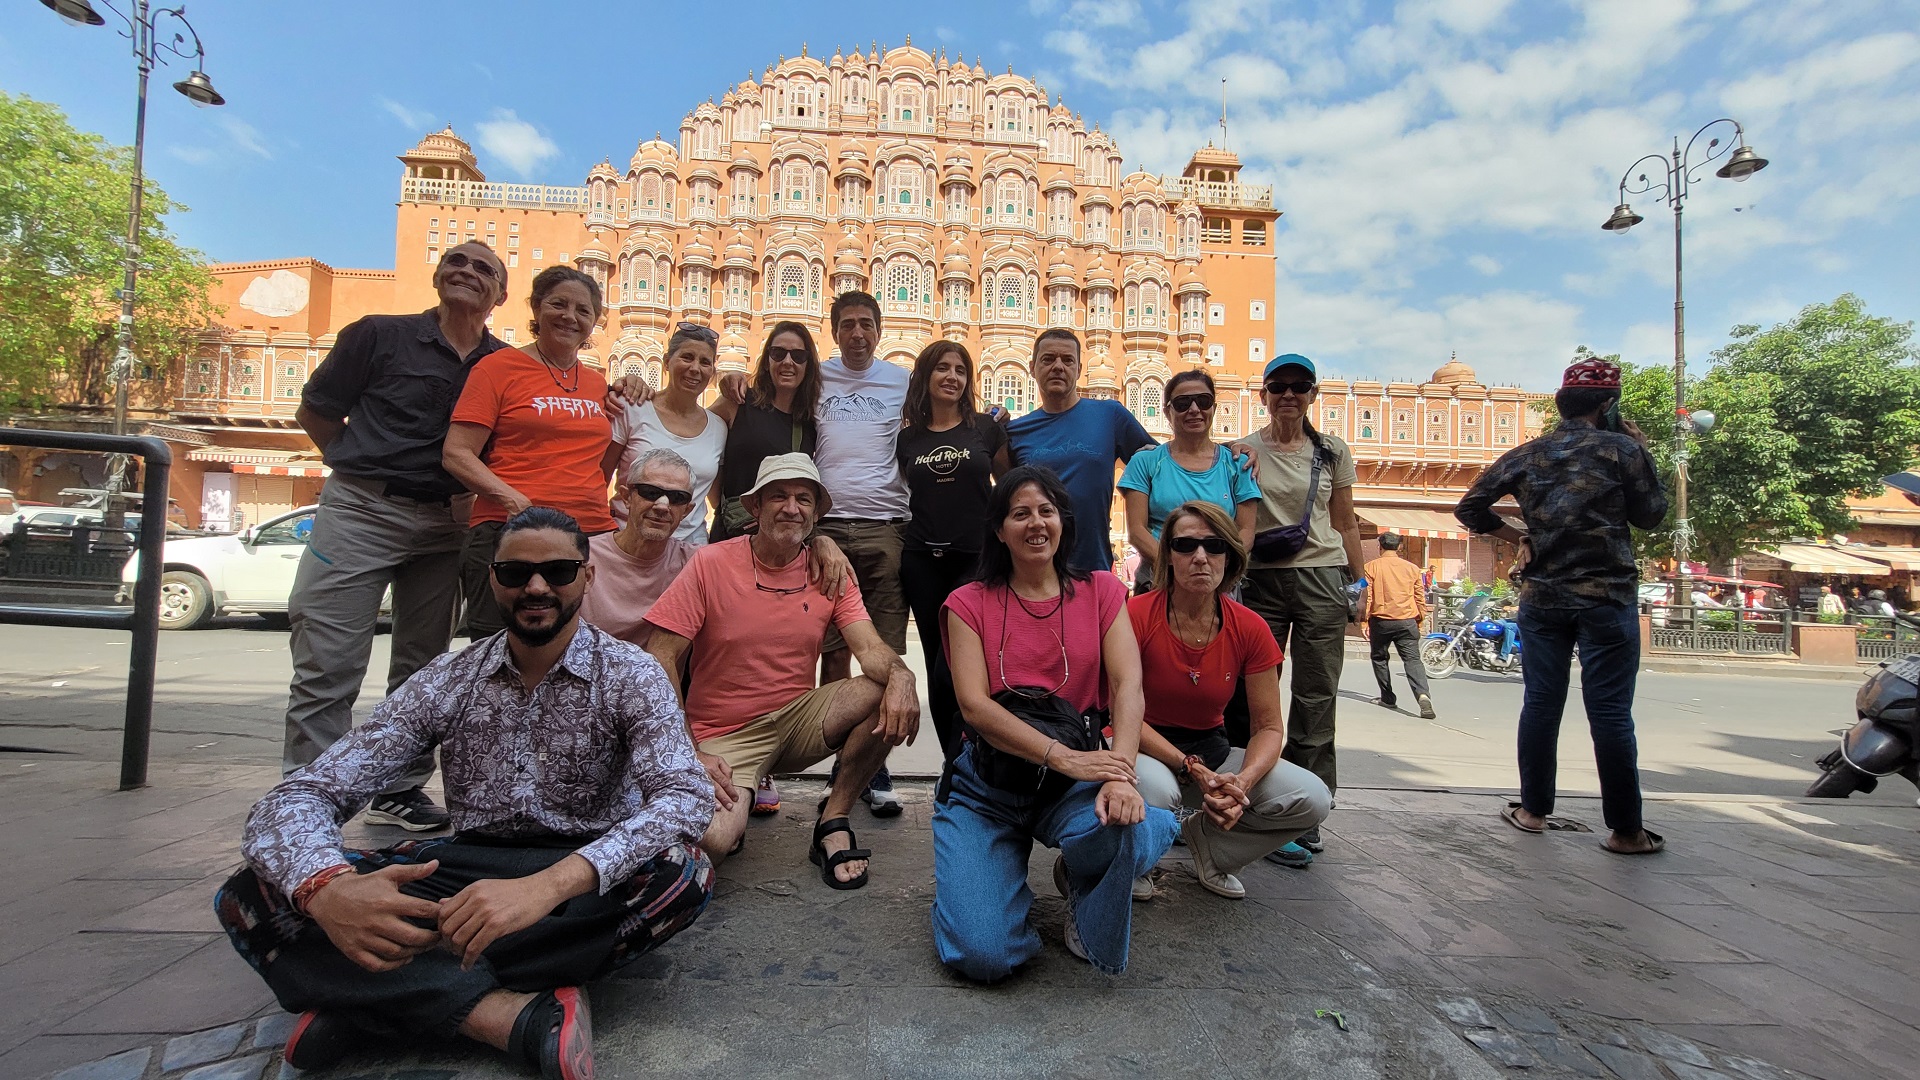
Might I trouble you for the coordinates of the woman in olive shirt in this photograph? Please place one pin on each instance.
(776, 418)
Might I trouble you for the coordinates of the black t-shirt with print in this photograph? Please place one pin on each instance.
(949, 474)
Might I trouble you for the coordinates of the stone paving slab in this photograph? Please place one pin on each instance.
(1446, 943)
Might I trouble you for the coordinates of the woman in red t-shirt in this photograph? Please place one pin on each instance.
(1196, 643)
(530, 430)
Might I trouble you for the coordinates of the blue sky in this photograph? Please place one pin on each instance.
(1443, 165)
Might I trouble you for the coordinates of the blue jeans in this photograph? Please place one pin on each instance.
(982, 837)
(1608, 637)
(1509, 633)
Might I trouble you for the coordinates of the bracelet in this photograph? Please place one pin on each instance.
(1051, 743)
(303, 893)
(1187, 764)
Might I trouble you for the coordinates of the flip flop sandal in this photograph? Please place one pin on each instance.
(1655, 844)
(1512, 817)
(826, 861)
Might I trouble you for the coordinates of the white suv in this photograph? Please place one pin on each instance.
(248, 571)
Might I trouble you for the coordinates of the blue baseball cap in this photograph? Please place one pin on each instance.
(1292, 359)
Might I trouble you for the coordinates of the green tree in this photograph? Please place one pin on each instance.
(63, 224)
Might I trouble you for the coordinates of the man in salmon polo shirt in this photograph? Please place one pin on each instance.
(754, 623)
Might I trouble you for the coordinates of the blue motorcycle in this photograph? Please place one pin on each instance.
(1474, 642)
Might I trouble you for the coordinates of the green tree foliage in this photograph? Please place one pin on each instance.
(63, 224)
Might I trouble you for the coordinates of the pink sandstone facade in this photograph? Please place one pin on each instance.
(971, 206)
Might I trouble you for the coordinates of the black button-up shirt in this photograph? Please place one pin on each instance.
(1578, 488)
(394, 379)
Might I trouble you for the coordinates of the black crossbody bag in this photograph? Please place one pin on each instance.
(1044, 711)
(1285, 541)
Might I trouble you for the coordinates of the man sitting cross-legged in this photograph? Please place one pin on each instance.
(576, 796)
(754, 623)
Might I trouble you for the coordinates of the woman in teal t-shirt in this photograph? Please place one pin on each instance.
(1190, 468)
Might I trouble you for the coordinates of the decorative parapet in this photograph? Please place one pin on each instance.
(418, 189)
(1217, 193)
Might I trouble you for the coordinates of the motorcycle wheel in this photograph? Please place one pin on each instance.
(1838, 782)
(1437, 656)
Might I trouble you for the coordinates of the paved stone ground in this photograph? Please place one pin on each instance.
(1429, 941)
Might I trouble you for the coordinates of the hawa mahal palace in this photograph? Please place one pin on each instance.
(970, 205)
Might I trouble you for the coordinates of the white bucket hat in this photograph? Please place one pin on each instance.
(795, 466)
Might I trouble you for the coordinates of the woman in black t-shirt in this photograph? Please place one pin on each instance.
(949, 454)
(776, 418)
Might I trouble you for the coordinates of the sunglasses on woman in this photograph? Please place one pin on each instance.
(1301, 387)
(1187, 545)
(1184, 402)
(459, 260)
(697, 332)
(650, 493)
(777, 353)
(555, 572)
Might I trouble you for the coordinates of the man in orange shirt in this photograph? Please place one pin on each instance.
(1396, 605)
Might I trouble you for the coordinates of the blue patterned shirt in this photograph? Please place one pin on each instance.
(1579, 488)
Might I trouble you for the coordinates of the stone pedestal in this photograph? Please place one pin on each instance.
(1825, 643)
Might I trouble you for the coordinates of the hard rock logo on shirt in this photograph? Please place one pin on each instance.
(572, 406)
(943, 460)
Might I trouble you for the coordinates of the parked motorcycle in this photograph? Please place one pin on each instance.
(1474, 642)
(1881, 743)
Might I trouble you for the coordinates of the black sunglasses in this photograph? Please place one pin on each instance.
(1191, 401)
(555, 572)
(651, 493)
(697, 332)
(777, 353)
(458, 259)
(1302, 387)
(1187, 545)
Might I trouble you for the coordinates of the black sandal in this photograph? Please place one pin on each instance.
(820, 857)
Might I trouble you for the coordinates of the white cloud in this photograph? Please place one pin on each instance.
(1486, 264)
(516, 142)
(246, 137)
(415, 120)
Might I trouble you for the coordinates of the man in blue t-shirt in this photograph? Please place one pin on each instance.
(1081, 439)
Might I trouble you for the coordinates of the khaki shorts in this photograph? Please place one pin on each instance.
(787, 739)
(873, 547)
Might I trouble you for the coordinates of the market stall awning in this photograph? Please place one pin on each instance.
(1900, 558)
(260, 461)
(1815, 559)
(1428, 523)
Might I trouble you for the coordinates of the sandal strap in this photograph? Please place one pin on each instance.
(835, 858)
(823, 829)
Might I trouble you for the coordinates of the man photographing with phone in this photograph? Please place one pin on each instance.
(1580, 487)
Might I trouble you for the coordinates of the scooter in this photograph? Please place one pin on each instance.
(1475, 642)
(1882, 742)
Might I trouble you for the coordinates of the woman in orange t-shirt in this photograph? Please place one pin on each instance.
(530, 430)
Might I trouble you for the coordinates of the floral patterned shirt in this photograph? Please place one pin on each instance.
(1578, 488)
(597, 750)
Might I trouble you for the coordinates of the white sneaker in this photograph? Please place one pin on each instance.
(1143, 888)
(1211, 877)
(1073, 923)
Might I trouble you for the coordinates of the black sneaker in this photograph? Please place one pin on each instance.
(1311, 840)
(554, 1034)
(879, 795)
(411, 809)
(319, 1040)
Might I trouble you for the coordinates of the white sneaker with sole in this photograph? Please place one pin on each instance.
(1211, 877)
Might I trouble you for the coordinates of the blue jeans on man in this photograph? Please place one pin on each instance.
(1608, 638)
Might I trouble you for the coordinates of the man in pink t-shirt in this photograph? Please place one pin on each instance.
(753, 623)
(634, 566)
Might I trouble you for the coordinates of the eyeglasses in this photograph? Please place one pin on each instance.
(1184, 402)
(777, 353)
(460, 259)
(555, 572)
(1187, 545)
(651, 493)
(698, 332)
(1300, 387)
(802, 587)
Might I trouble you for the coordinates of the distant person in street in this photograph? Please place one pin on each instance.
(1191, 466)
(531, 429)
(1391, 617)
(674, 419)
(1582, 489)
(576, 801)
(1305, 553)
(378, 408)
(1081, 440)
(633, 566)
(1196, 644)
(1035, 638)
(747, 614)
(949, 454)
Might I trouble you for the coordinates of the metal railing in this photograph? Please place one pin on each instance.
(1882, 637)
(477, 193)
(1217, 193)
(1739, 631)
(143, 619)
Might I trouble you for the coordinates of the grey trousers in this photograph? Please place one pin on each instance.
(363, 542)
(1287, 801)
(1404, 636)
(1306, 608)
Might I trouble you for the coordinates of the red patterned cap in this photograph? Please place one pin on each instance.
(1592, 373)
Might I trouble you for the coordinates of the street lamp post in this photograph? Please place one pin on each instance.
(1674, 181)
(148, 49)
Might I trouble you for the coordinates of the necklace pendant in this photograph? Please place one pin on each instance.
(1195, 676)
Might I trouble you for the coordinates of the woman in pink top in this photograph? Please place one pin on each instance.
(1032, 626)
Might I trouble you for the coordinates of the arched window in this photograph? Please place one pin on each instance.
(905, 179)
(1012, 195)
(791, 286)
(1150, 303)
(642, 277)
(906, 99)
(1150, 399)
(1008, 298)
(1010, 119)
(1011, 389)
(1366, 431)
(799, 183)
(800, 100)
(903, 286)
(650, 192)
(1133, 397)
(956, 299)
(1059, 143)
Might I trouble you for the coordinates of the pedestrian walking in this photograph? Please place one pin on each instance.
(1580, 487)
(378, 408)
(1394, 610)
